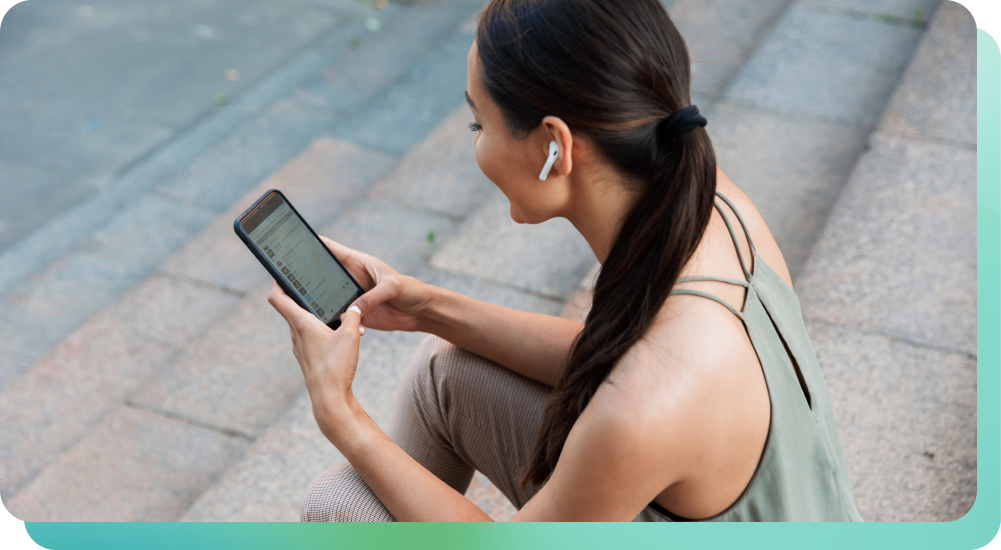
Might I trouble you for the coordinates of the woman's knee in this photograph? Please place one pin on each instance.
(340, 494)
(441, 367)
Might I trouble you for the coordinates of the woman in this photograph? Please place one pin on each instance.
(690, 392)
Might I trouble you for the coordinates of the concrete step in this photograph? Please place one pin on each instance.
(789, 128)
(180, 330)
(83, 260)
(890, 291)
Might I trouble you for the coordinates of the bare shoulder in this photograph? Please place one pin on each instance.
(764, 242)
(689, 361)
(639, 434)
(690, 388)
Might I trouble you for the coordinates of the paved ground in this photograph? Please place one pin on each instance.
(143, 376)
(109, 82)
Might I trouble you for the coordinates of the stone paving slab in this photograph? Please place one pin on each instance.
(396, 235)
(142, 72)
(397, 119)
(889, 294)
(53, 404)
(548, 259)
(721, 34)
(114, 353)
(63, 233)
(386, 56)
(208, 186)
(579, 304)
(898, 11)
(46, 308)
(490, 292)
(238, 375)
(937, 97)
(327, 177)
(391, 68)
(238, 163)
(793, 168)
(807, 66)
(899, 255)
(489, 498)
(137, 466)
(440, 174)
(268, 483)
(907, 420)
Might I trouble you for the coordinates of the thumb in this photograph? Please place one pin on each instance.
(387, 288)
(351, 320)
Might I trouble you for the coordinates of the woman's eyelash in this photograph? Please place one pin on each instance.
(475, 127)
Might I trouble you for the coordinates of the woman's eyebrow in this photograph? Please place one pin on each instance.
(469, 100)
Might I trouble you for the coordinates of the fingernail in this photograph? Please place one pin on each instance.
(356, 309)
(361, 330)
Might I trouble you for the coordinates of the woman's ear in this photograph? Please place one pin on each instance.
(556, 130)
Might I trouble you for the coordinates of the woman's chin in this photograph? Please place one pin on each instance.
(522, 217)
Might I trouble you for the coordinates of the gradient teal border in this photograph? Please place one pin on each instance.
(973, 530)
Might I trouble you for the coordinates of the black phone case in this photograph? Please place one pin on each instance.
(335, 322)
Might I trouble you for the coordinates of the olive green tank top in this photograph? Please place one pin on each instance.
(801, 475)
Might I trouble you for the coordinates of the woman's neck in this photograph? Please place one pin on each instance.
(601, 202)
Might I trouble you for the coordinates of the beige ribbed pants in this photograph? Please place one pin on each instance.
(455, 413)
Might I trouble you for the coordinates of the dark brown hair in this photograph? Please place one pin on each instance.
(612, 70)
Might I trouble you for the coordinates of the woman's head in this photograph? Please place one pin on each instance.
(601, 76)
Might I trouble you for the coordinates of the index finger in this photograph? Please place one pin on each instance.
(339, 250)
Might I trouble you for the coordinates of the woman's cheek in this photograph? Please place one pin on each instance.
(487, 161)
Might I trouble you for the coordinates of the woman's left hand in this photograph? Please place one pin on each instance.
(328, 358)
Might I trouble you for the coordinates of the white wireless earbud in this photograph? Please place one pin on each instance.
(553, 151)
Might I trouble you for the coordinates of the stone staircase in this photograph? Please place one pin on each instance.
(179, 398)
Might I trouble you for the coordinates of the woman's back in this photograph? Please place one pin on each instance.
(776, 430)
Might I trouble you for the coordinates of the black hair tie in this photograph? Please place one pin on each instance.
(681, 122)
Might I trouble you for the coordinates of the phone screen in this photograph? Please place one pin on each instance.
(303, 260)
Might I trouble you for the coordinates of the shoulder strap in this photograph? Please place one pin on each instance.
(739, 219)
(733, 234)
(743, 266)
(737, 282)
(718, 300)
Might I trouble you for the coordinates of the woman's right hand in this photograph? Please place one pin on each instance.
(391, 301)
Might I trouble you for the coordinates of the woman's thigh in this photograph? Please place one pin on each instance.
(457, 412)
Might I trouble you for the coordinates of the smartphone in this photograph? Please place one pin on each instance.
(294, 255)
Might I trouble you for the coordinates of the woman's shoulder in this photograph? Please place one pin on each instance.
(764, 242)
(688, 361)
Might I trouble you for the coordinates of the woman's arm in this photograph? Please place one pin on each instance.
(408, 490)
(611, 465)
(610, 468)
(530, 344)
